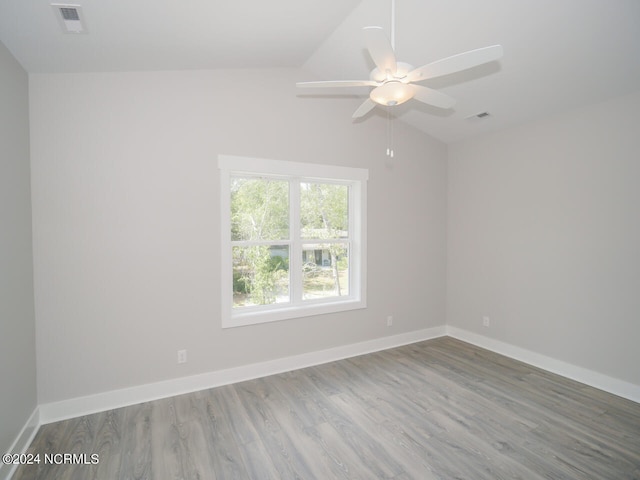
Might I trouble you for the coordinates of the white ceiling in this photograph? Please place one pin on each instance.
(126, 35)
(559, 54)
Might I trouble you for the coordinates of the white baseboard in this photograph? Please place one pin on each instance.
(56, 411)
(53, 412)
(582, 375)
(21, 443)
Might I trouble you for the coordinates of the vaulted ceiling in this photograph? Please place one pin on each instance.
(558, 55)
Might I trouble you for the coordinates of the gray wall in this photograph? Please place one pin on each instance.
(536, 227)
(17, 337)
(126, 221)
(544, 237)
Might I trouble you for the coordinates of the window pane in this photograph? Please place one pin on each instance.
(259, 209)
(324, 210)
(325, 270)
(260, 275)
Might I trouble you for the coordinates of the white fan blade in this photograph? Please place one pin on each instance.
(433, 97)
(456, 63)
(363, 109)
(380, 50)
(338, 83)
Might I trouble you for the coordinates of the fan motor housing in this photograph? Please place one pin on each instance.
(401, 72)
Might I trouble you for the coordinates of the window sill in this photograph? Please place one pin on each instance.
(241, 319)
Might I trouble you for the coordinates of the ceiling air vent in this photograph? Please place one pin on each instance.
(70, 17)
(478, 116)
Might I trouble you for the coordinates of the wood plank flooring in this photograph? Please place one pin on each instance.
(440, 409)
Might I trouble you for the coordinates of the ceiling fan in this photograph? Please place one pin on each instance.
(395, 82)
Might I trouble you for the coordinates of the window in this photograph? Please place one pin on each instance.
(293, 239)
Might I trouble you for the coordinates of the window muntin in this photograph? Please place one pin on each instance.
(293, 239)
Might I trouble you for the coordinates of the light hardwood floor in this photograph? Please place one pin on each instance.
(440, 409)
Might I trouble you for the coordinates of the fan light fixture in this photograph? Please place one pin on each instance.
(397, 82)
(392, 93)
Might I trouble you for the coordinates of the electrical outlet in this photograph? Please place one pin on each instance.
(389, 321)
(486, 321)
(182, 356)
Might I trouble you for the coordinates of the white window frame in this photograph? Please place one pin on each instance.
(356, 178)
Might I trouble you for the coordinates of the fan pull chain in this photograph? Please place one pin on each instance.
(393, 46)
(389, 135)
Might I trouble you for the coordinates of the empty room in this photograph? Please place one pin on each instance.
(348, 239)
